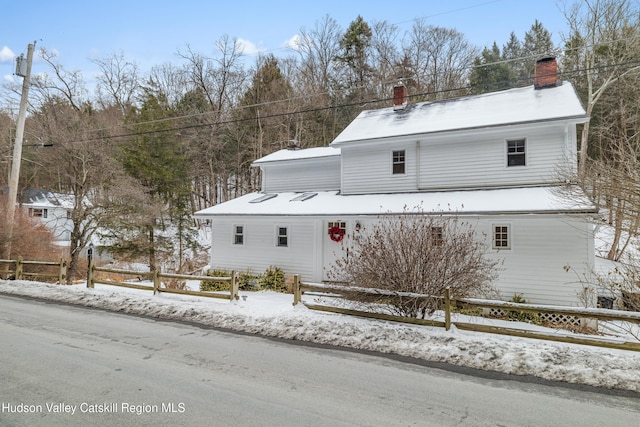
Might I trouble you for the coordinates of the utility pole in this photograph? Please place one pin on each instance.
(25, 73)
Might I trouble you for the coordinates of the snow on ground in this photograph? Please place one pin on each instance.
(272, 314)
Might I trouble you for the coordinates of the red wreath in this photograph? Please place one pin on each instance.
(336, 233)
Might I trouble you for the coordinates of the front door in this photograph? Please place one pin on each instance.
(334, 245)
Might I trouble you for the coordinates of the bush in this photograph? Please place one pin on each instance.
(273, 280)
(216, 285)
(522, 316)
(417, 253)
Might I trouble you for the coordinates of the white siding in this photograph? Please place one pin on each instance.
(367, 169)
(534, 267)
(461, 160)
(56, 220)
(541, 248)
(475, 161)
(259, 250)
(302, 175)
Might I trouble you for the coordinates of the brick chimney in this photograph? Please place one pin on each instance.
(400, 96)
(546, 73)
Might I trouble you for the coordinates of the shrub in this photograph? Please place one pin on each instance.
(248, 281)
(216, 285)
(273, 279)
(522, 316)
(417, 253)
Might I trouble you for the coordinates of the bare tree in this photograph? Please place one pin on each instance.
(118, 82)
(440, 59)
(59, 84)
(601, 40)
(420, 253)
(613, 177)
(317, 78)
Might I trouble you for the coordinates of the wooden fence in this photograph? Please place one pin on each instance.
(157, 278)
(451, 305)
(19, 269)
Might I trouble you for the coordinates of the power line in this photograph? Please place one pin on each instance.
(467, 88)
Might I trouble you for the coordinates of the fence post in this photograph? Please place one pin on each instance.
(19, 268)
(156, 280)
(297, 294)
(234, 286)
(447, 308)
(63, 271)
(90, 273)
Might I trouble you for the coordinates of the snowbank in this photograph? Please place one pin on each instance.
(272, 314)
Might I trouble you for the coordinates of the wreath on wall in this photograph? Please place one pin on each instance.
(336, 233)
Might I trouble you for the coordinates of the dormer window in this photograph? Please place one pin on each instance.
(516, 153)
(397, 162)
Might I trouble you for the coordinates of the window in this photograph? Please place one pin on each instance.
(397, 162)
(516, 153)
(336, 230)
(437, 238)
(40, 213)
(282, 238)
(238, 235)
(501, 237)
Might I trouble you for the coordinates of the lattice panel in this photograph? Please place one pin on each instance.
(554, 319)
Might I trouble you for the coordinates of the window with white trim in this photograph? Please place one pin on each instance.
(282, 237)
(516, 152)
(398, 162)
(39, 213)
(501, 236)
(238, 234)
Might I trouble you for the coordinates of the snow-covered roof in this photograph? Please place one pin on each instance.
(495, 201)
(508, 107)
(305, 153)
(46, 198)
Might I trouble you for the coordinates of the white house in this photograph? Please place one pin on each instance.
(51, 209)
(499, 159)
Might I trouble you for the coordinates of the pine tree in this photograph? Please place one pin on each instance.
(491, 72)
(356, 46)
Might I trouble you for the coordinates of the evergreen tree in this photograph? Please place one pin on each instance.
(491, 72)
(356, 50)
(537, 44)
(512, 52)
(157, 161)
(263, 123)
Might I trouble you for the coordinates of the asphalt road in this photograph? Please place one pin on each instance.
(62, 365)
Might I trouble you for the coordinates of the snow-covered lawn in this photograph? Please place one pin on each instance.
(272, 314)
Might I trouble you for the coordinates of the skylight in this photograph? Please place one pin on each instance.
(263, 198)
(303, 197)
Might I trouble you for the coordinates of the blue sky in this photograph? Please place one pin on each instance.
(151, 32)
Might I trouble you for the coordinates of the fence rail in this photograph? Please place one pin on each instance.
(157, 278)
(451, 304)
(19, 273)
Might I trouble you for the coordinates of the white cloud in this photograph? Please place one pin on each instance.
(6, 54)
(293, 43)
(8, 78)
(249, 48)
